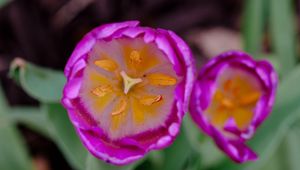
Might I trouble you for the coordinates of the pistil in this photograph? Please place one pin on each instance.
(129, 82)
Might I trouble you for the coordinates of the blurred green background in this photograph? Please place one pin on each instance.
(35, 132)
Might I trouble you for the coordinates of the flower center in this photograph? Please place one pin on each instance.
(128, 86)
(235, 97)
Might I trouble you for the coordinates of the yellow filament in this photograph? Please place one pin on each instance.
(149, 100)
(120, 108)
(161, 79)
(106, 64)
(102, 90)
(135, 57)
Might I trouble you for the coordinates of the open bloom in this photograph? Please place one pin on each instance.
(232, 96)
(127, 90)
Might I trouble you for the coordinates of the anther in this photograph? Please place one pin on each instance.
(102, 90)
(135, 56)
(106, 64)
(161, 79)
(120, 108)
(149, 100)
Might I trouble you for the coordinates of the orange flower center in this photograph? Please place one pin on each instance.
(235, 97)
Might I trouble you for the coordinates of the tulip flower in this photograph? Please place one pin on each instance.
(127, 90)
(232, 96)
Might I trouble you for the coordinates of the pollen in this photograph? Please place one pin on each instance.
(120, 108)
(106, 64)
(102, 90)
(160, 79)
(135, 57)
(149, 100)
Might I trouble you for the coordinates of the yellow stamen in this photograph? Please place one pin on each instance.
(106, 64)
(120, 108)
(149, 100)
(236, 100)
(135, 56)
(129, 82)
(102, 90)
(161, 79)
(249, 99)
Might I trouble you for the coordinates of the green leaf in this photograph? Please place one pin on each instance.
(177, 154)
(287, 155)
(288, 90)
(211, 154)
(93, 163)
(156, 158)
(4, 2)
(193, 133)
(194, 162)
(32, 117)
(253, 26)
(204, 146)
(65, 136)
(283, 32)
(43, 84)
(275, 162)
(13, 151)
(293, 149)
(270, 135)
